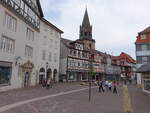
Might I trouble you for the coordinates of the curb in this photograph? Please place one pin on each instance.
(127, 107)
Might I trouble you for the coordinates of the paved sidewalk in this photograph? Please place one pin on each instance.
(140, 102)
(76, 102)
(13, 96)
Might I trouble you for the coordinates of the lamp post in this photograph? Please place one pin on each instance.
(90, 74)
(46, 70)
(18, 60)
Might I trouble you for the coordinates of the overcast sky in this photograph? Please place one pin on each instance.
(115, 22)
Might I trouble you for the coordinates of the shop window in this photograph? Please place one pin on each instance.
(147, 85)
(5, 74)
(71, 76)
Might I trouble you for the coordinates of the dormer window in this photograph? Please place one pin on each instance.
(143, 36)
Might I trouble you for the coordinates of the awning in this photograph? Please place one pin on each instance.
(144, 68)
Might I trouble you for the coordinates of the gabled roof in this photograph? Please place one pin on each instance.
(147, 30)
(40, 8)
(128, 58)
(86, 21)
(52, 25)
(144, 68)
(140, 41)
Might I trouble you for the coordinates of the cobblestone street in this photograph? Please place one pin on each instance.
(140, 102)
(76, 102)
(70, 98)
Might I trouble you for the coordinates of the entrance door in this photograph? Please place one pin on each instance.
(26, 79)
(55, 75)
(41, 79)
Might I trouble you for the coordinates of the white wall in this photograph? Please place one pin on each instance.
(50, 42)
(20, 41)
(63, 65)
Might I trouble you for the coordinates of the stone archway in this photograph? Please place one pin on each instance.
(27, 70)
(48, 74)
(41, 75)
(55, 75)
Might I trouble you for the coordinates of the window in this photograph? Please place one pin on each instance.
(43, 55)
(7, 44)
(144, 47)
(74, 52)
(144, 59)
(28, 51)
(148, 59)
(146, 79)
(50, 56)
(55, 57)
(138, 47)
(143, 36)
(17, 2)
(5, 72)
(148, 46)
(79, 54)
(71, 51)
(30, 34)
(10, 22)
(90, 46)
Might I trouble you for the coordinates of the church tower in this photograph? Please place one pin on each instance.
(85, 34)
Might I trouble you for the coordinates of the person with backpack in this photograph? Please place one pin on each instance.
(101, 86)
(115, 87)
(109, 85)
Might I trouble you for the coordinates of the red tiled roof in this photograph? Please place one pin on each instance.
(147, 30)
(147, 33)
(139, 40)
(128, 58)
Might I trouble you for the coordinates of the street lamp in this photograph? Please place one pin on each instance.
(46, 70)
(90, 74)
(18, 60)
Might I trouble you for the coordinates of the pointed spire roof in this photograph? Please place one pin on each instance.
(86, 21)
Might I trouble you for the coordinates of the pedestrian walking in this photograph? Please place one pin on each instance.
(101, 86)
(115, 87)
(43, 83)
(51, 83)
(109, 85)
(48, 83)
(130, 80)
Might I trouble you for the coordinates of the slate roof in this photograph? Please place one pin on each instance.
(40, 8)
(144, 68)
(86, 21)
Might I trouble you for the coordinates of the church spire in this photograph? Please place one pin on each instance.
(86, 28)
(86, 21)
